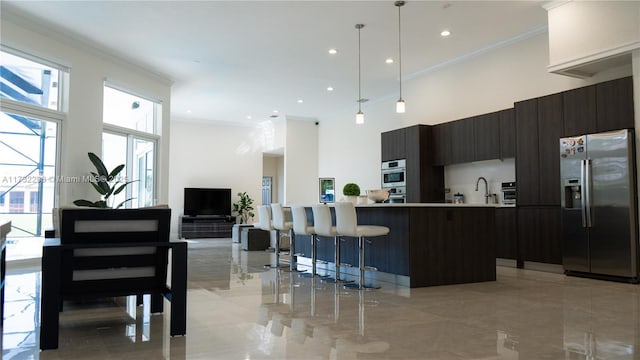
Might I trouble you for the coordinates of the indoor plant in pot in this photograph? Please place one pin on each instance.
(243, 208)
(351, 191)
(106, 183)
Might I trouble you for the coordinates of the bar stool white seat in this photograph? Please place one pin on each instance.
(322, 226)
(281, 225)
(265, 223)
(301, 227)
(347, 225)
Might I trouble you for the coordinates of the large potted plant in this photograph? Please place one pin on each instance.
(243, 208)
(107, 184)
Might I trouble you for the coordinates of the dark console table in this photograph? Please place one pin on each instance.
(192, 227)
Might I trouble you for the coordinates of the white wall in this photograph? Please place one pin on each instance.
(489, 82)
(461, 178)
(214, 156)
(82, 129)
(301, 162)
(273, 166)
(585, 31)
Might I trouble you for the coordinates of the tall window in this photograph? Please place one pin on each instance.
(131, 137)
(31, 90)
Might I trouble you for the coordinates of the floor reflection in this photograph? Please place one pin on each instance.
(239, 310)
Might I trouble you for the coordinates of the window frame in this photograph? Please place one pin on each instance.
(131, 134)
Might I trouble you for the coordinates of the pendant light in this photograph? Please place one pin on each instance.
(359, 114)
(400, 102)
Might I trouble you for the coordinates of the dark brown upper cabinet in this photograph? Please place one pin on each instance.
(393, 146)
(614, 104)
(462, 141)
(442, 144)
(596, 108)
(486, 129)
(579, 111)
(507, 133)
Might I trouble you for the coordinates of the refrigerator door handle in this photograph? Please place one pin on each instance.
(587, 192)
(583, 188)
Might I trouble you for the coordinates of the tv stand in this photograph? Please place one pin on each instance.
(205, 226)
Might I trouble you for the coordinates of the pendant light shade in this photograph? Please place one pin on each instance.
(400, 103)
(359, 114)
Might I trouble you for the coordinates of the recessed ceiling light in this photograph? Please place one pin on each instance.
(275, 111)
(445, 33)
(300, 101)
(188, 111)
(333, 51)
(389, 61)
(330, 88)
(248, 117)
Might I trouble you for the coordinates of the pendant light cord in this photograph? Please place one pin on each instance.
(359, 26)
(399, 5)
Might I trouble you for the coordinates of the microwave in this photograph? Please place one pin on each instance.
(394, 173)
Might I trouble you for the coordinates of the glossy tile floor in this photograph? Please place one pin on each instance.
(238, 310)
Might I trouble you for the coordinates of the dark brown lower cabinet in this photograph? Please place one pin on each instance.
(540, 234)
(507, 233)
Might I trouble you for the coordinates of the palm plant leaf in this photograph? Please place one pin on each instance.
(122, 203)
(102, 170)
(116, 171)
(122, 187)
(101, 187)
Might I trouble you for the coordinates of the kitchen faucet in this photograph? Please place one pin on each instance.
(486, 189)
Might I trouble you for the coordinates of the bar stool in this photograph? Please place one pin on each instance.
(323, 227)
(301, 227)
(280, 224)
(264, 223)
(347, 225)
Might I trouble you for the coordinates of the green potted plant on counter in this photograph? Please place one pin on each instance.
(351, 191)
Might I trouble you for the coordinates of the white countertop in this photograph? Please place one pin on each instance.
(433, 205)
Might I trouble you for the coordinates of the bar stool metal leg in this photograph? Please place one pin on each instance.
(276, 265)
(314, 259)
(293, 256)
(360, 285)
(336, 261)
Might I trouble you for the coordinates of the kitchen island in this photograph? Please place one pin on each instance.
(428, 244)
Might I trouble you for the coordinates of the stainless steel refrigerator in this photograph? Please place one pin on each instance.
(599, 221)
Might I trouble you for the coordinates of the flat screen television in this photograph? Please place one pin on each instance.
(207, 202)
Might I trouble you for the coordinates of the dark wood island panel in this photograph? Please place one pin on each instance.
(452, 245)
(430, 244)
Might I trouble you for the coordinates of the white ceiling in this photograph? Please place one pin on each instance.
(233, 59)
